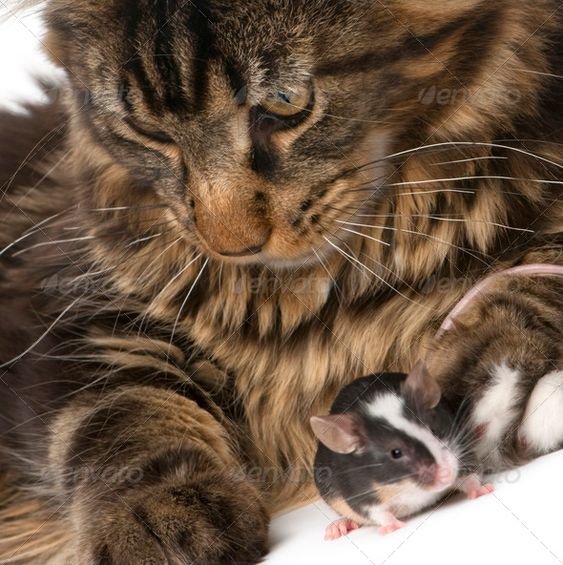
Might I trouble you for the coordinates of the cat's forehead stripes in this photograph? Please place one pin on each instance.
(160, 40)
(164, 59)
(204, 49)
(131, 16)
(197, 72)
(172, 48)
(410, 45)
(201, 25)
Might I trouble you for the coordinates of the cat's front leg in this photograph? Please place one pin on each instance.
(503, 360)
(150, 477)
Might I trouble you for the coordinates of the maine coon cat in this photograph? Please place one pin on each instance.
(234, 209)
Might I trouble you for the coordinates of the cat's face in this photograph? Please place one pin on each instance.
(261, 123)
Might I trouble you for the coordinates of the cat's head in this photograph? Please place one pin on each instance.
(263, 124)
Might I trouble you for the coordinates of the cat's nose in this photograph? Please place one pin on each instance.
(233, 231)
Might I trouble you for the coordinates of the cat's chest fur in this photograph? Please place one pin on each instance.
(282, 376)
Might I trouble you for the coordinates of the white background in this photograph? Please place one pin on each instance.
(521, 523)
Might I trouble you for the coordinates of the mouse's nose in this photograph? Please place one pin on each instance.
(426, 473)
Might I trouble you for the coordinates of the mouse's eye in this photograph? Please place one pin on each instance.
(396, 454)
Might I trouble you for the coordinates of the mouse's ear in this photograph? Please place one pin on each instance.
(421, 387)
(339, 432)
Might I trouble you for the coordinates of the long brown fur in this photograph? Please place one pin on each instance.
(430, 155)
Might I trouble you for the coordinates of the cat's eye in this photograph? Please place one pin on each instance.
(290, 103)
(158, 136)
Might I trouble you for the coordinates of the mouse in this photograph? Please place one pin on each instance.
(389, 449)
(393, 446)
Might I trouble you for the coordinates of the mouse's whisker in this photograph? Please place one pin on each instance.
(461, 421)
(467, 449)
(361, 468)
(376, 489)
(470, 444)
(465, 432)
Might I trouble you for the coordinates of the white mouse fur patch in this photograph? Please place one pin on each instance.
(542, 426)
(409, 500)
(496, 411)
(391, 408)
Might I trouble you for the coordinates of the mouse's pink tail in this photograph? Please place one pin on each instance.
(483, 286)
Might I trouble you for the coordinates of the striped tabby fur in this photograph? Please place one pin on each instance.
(155, 393)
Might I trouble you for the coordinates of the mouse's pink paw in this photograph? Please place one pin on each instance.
(473, 488)
(340, 528)
(483, 490)
(390, 526)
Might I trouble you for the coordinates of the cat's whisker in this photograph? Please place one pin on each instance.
(464, 220)
(449, 145)
(420, 234)
(170, 282)
(16, 241)
(4, 189)
(45, 225)
(457, 144)
(367, 166)
(185, 301)
(529, 140)
(356, 261)
(163, 252)
(331, 277)
(177, 276)
(460, 190)
(144, 239)
(440, 218)
(92, 274)
(54, 242)
(36, 227)
(41, 337)
(470, 160)
(379, 264)
(384, 160)
(129, 208)
(417, 193)
(440, 191)
(539, 73)
(367, 237)
(69, 253)
(472, 178)
(84, 238)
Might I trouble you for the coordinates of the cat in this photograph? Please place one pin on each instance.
(233, 209)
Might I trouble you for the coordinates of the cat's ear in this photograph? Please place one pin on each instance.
(340, 432)
(421, 388)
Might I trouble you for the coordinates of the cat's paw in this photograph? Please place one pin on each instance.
(213, 521)
(505, 357)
